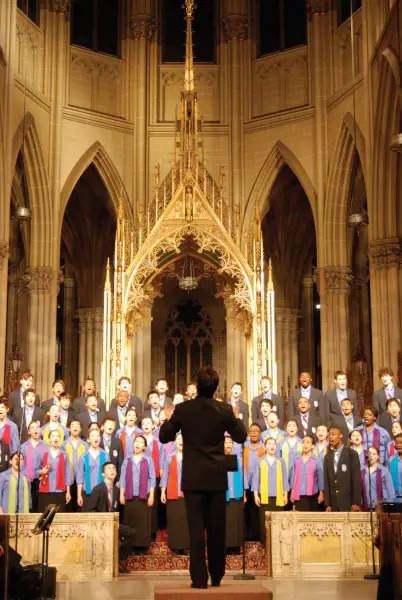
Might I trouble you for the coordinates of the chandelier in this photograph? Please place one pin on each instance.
(188, 281)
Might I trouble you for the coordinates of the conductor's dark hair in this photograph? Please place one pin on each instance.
(207, 382)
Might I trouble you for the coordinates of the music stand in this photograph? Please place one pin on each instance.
(42, 526)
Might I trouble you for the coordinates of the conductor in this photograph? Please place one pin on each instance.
(203, 422)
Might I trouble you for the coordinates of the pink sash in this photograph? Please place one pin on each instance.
(310, 478)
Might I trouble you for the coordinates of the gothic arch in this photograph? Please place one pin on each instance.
(338, 187)
(279, 156)
(385, 176)
(27, 141)
(97, 155)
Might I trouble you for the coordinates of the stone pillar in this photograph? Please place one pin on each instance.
(235, 32)
(69, 356)
(40, 282)
(90, 328)
(142, 351)
(335, 287)
(142, 27)
(81, 318)
(287, 348)
(307, 362)
(386, 302)
(235, 345)
(97, 314)
(219, 357)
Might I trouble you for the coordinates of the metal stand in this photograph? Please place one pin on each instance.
(42, 526)
(243, 576)
(374, 574)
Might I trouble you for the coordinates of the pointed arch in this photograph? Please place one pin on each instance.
(279, 156)
(338, 188)
(385, 190)
(97, 155)
(27, 141)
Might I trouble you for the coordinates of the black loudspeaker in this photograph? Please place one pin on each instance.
(51, 578)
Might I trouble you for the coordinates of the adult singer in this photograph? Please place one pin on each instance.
(203, 423)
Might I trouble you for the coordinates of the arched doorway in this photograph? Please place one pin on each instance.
(290, 241)
(87, 240)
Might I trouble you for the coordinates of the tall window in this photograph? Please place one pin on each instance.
(174, 31)
(95, 25)
(30, 8)
(344, 9)
(283, 24)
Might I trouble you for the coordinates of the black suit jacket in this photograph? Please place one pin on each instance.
(97, 501)
(116, 453)
(343, 488)
(317, 404)
(332, 404)
(243, 411)
(380, 399)
(79, 404)
(4, 457)
(14, 400)
(313, 422)
(278, 406)
(18, 415)
(84, 419)
(340, 421)
(386, 421)
(134, 401)
(203, 423)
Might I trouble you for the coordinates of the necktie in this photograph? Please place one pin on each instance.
(336, 460)
(107, 446)
(122, 416)
(93, 417)
(389, 394)
(109, 499)
(349, 422)
(304, 421)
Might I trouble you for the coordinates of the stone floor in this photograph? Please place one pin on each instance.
(141, 587)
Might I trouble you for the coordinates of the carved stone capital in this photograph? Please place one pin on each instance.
(38, 279)
(386, 252)
(287, 318)
(339, 279)
(98, 318)
(318, 7)
(60, 7)
(3, 253)
(235, 27)
(142, 27)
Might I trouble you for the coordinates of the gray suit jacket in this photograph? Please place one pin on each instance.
(279, 408)
(380, 399)
(333, 406)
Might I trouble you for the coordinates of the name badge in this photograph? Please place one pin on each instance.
(115, 453)
(313, 429)
(316, 403)
(344, 468)
(274, 408)
(240, 416)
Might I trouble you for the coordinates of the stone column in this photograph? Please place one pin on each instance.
(235, 345)
(307, 362)
(386, 302)
(8, 12)
(142, 27)
(97, 314)
(235, 32)
(219, 357)
(335, 291)
(142, 351)
(40, 282)
(69, 356)
(287, 349)
(80, 315)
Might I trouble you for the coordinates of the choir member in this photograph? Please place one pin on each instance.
(17, 398)
(392, 415)
(74, 447)
(395, 468)
(270, 483)
(15, 487)
(22, 417)
(162, 388)
(278, 404)
(377, 486)
(178, 399)
(129, 432)
(112, 444)
(253, 451)
(388, 391)
(307, 478)
(137, 487)
(191, 391)
(33, 450)
(315, 397)
(321, 445)
(342, 487)
(395, 430)
(307, 420)
(53, 424)
(58, 388)
(172, 496)
(235, 499)
(105, 498)
(66, 410)
(291, 447)
(8, 429)
(347, 421)
(273, 430)
(356, 443)
(266, 407)
(89, 472)
(240, 408)
(333, 398)
(156, 451)
(373, 435)
(55, 475)
(93, 413)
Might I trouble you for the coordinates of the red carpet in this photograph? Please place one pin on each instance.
(160, 558)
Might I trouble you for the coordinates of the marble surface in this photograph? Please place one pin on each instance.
(141, 587)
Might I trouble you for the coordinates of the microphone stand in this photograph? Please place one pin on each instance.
(374, 574)
(243, 576)
(17, 508)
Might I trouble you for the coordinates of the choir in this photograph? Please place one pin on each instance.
(324, 457)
